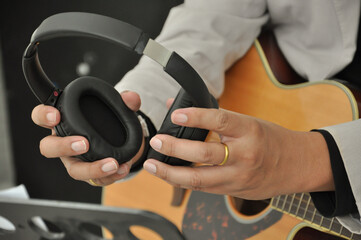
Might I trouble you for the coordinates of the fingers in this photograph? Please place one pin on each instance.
(218, 120)
(80, 170)
(102, 172)
(45, 116)
(194, 151)
(200, 178)
(169, 102)
(131, 99)
(48, 117)
(53, 146)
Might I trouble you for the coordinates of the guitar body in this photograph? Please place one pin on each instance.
(251, 88)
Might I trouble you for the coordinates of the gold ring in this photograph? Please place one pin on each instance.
(91, 181)
(226, 154)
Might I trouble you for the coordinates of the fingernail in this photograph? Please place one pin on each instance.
(150, 167)
(51, 117)
(78, 146)
(121, 170)
(156, 143)
(109, 166)
(180, 118)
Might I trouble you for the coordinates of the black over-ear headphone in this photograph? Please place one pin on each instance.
(87, 99)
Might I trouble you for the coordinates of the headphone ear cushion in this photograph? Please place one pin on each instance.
(92, 108)
(182, 100)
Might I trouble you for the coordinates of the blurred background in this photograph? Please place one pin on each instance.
(63, 60)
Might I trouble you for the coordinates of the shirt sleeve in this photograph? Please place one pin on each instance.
(347, 136)
(341, 201)
(211, 35)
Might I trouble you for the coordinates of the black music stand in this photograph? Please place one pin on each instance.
(71, 219)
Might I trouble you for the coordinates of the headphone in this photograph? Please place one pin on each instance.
(87, 102)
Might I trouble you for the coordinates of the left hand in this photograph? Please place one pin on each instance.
(265, 159)
(98, 173)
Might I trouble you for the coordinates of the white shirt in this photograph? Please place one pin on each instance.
(318, 38)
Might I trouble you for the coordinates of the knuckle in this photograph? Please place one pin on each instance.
(163, 174)
(170, 148)
(222, 121)
(206, 155)
(248, 180)
(42, 147)
(94, 170)
(256, 129)
(195, 181)
(253, 155)
(128, 166)
(196, 188)
(252, 159)
(72, 171)
(113, 178)
(100, 181)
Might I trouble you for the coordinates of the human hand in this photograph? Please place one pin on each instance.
(102, 172)
(265, 159)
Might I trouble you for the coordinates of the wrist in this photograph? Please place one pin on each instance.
(317, 175)
(304, 164)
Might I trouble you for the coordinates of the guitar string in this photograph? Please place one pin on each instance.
(284, 203)
(323, 221)
(293, 198)
(299, 204)
(314, 213)
(307, 210)
(332, 221)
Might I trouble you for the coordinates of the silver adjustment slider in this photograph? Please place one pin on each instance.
(157, 52)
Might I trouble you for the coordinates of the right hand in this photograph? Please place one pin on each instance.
(102, 172)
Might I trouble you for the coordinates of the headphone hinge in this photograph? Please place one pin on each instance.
(53, 98)
(144, 126)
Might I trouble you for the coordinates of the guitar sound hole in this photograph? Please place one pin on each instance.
(249, 207)
(308, 233)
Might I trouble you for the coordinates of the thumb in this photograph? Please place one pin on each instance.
(170, 102)
(131, 99)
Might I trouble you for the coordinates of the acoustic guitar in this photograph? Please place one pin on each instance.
(261, 84)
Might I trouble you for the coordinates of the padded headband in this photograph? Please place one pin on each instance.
(121, 33)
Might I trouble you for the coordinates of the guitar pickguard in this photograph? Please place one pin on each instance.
(208, 217)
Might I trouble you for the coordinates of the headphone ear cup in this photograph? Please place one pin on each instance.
(59, 131)
(182, 100)
(92, 108)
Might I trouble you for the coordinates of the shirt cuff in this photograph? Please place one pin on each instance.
(341, 201)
